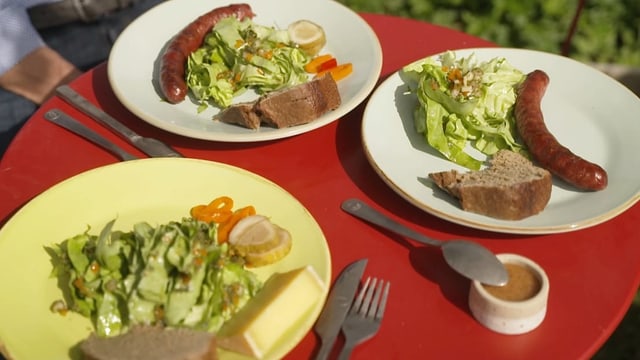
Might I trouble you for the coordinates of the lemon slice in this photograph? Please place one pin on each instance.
(253, 233)
(262, 258)
(308, 35)
(259, 241)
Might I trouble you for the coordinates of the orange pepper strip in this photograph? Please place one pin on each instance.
(218, 210)
(221, 203)
(221, 216)
(217, 216)
(339, 72)
(225, 228)
(313, 65)
(200, 212)
(197, 210)
(329, 64)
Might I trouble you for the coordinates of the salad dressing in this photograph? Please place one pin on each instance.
(174, 273)
(523, 284)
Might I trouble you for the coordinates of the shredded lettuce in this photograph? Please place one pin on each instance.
(463, 101)
(174, 274)
(239, 55)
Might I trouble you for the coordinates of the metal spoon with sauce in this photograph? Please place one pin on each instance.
(468, 258)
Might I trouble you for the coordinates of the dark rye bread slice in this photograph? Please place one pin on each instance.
(511, 188)
(287, 107)
(300, 104)
(152, 343)
(242, 114)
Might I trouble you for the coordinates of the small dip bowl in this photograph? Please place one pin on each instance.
(517, 307)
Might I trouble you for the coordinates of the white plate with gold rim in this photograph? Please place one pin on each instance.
(589, 112)
(133, 61)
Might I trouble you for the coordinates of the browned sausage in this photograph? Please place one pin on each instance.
(543, 146)
(173, 61)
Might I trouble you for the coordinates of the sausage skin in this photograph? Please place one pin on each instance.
(543, 146)
(174, 58)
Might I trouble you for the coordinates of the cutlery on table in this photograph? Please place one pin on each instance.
(468, 258)
(150, 146)
(337, 305)
(365, 316)
(62, 119)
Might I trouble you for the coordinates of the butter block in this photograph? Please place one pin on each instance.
(284, 299)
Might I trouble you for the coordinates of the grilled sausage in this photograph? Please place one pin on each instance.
(174, 58)
(543, 146)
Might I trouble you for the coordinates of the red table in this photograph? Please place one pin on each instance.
(594, 272)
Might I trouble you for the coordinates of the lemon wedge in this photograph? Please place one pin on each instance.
(258, 241)
(253, 233)
(266, 257)
(309, 36)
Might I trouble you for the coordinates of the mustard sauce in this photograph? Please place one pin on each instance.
(523, 284)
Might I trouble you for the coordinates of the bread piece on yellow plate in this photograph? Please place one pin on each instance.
(151, 343)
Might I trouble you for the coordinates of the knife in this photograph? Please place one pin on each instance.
(60, 118)
(337, 305)
(150, 146)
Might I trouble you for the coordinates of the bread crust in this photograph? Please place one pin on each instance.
(242, 114)
(511, 188)
(152, 343)
(300, 104)
(286, 107)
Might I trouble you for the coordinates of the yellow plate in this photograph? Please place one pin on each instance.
(153, 190)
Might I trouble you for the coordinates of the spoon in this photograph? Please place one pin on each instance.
(468, 258)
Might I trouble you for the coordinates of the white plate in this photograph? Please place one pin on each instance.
(133, 61)
(154, 190)
(587, 111)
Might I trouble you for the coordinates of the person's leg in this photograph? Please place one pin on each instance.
(87, 45)
(14, 112)
(84, 45)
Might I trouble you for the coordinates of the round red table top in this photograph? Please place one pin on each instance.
(594, 272)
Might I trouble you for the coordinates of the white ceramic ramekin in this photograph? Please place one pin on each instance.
(506, 316)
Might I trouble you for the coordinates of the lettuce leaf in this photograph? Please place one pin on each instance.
(241, 55)
(175, 274)
(463, 102)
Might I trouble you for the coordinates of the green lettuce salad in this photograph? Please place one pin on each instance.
(463, 101)
(240, 55)
(174, 274)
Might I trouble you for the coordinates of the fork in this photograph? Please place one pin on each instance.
(365, 315)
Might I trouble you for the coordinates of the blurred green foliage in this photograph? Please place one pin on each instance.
(608, 31)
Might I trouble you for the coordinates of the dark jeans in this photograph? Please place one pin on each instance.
(84, 45)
